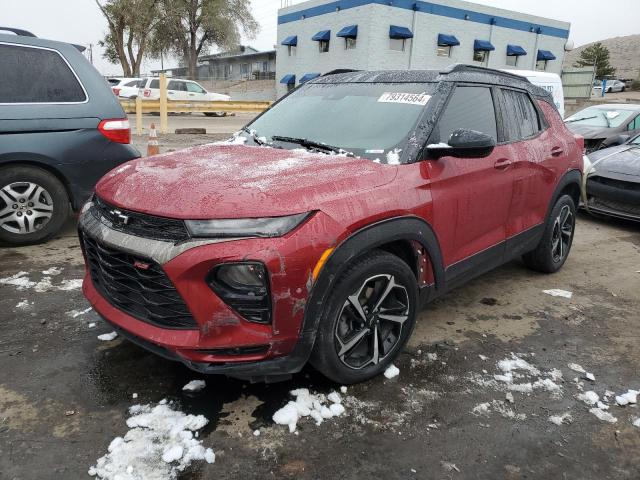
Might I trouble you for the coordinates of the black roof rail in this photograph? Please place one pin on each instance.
(464, 68)
(17, 31)
(340, 70)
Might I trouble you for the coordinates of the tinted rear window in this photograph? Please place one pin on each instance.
(154, 84)
(35, 75)
(522, 118)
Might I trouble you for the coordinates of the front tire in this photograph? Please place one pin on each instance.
(33, 205)
(555, 245)
(368, 318)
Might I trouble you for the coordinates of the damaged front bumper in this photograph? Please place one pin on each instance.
(219, 340)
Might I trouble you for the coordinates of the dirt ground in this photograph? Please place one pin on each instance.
(64, 395)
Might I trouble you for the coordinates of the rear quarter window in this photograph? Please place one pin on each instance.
(37, 75)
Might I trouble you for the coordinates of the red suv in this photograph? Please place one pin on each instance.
(319, 231)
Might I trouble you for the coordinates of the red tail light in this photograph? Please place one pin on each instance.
(117, 130)
(116, 91)
(146, 92)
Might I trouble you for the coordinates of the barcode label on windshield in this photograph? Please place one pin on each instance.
(407, 98)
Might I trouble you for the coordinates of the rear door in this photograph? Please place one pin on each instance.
(471, 196)
(529, 147)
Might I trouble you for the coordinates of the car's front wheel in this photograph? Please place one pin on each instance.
(33, 205)
(367, 320)
(554, 248)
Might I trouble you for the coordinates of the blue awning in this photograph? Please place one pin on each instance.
(545, 55)
(292, 41)
(515, 51)
(483, 45)
(399, 32)
(308, 76)
(323, 35)
(288, 79)
(349, 32)
(447, 40)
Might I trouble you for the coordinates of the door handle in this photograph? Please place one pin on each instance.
(502, 164)
(556, 151)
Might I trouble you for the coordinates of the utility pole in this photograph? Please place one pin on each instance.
(91, 53)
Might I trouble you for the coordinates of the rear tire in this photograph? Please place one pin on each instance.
(33, 205)
(368, 318)
(555, 245)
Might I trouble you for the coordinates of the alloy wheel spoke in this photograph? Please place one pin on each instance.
(6, 196)
(393, 318)
(22, 223)
(385, 293)
(32, 191)
(346, 347)
(355, 302)
(6, 211)
(376, 347)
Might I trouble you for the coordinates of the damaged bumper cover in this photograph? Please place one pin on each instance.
(220, 340)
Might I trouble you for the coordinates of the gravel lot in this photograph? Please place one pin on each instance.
(64, 394)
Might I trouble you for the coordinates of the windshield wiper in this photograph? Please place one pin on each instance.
(606, 119)
(579, 119)
(254, 136)
(303, 142)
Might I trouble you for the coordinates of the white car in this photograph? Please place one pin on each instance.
(119, 84)
(612, 86)
(177, 89)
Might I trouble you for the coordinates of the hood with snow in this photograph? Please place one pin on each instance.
(236, 181)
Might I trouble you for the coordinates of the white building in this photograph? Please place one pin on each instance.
(318, 36)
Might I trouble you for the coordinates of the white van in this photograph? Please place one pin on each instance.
(548, 81)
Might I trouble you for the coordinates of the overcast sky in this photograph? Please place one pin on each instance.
(80, 21)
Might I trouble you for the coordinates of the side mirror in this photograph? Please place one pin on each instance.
(617, 140)
(464, 143)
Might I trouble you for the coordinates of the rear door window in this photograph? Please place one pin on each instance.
(154, 84)
(521, 117)
(469, 108)
(37, 75)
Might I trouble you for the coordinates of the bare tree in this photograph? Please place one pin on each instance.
(190, 27)
(131, 23)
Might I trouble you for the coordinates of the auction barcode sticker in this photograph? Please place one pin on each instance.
(407, 98)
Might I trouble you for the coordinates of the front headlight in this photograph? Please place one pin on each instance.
(245, 227)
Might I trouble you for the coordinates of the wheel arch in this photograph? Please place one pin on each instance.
(42, 165)
(570, 184)
(395, 235)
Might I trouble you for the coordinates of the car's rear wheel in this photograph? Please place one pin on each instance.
(33, 205)
(368, 319)
(554, 248)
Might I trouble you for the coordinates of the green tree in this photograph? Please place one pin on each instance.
(598, 55)
(190, 27)
(130, 23)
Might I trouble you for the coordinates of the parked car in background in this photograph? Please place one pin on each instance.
(602, 125)
(183, 90)
(126, 87)
(61, 129)
(549, 81)
(612, 86)
(249, 258)
(611, 183)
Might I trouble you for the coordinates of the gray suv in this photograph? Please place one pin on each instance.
(61, 129)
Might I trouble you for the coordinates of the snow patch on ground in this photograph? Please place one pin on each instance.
(576, 368)
(307, 404)
(52, 271)
(626, 398)
(22, 282)
(556, 292)
(24, 304)
(590, 397)
(391, 371)
(500, 407)
(603, 415)
(107, 337)
(560, 419)
(77, 313)
(159, 445)
(194, 386)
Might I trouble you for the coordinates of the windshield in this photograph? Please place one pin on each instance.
(635, 141)
(600, 117)
(371, 120)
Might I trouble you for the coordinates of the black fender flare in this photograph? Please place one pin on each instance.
(570, 177)
(364, 240)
